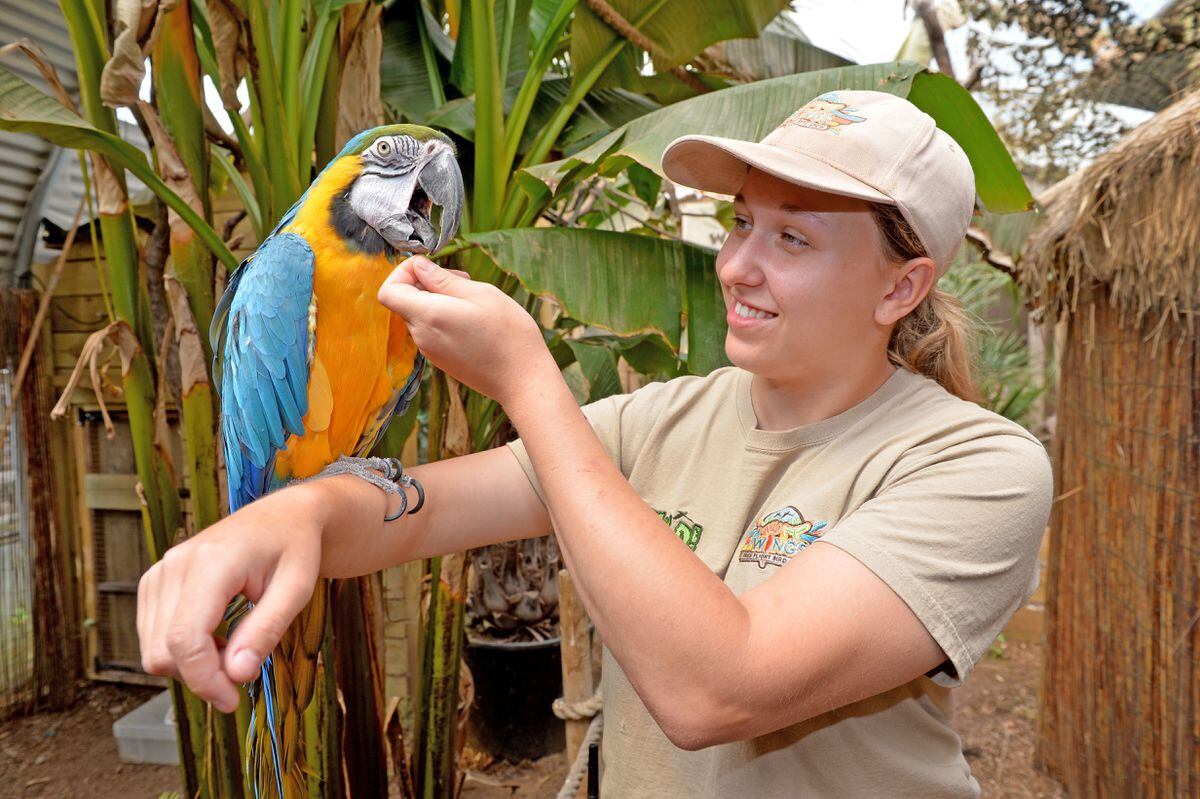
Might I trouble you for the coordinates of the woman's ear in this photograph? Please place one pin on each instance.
(913, 280)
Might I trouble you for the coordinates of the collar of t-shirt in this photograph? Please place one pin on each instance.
(815, 432)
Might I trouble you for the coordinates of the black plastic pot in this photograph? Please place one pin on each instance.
(515, 686)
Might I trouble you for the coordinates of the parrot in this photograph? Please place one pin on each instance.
(311, 367)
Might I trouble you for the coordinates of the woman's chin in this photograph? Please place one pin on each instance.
(749, 357)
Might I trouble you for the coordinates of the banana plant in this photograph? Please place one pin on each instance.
(289, 58)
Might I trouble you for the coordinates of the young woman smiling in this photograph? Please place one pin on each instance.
(867, 529)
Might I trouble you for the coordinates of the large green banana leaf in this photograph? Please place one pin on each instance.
(26, 109)
(678, 30)
(751, 110)
(622, 282)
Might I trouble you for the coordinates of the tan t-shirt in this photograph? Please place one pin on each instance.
(944, 500)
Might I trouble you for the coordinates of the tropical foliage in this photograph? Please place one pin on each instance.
(561, 110)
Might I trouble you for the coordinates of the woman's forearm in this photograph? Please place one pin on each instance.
(643, 588)
(470, 501)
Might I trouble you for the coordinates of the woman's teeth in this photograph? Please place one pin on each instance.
(747, 312)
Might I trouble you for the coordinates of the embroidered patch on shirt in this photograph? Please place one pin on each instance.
(687, 530)
(825, 112)
(776, 537)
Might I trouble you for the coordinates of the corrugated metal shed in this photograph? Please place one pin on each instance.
(37, 180)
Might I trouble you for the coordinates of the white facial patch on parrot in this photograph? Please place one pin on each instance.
(383, 203)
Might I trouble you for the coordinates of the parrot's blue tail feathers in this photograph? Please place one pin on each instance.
(268, 678)
(266, 682)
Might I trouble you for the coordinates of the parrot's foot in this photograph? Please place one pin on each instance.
(384, 473)
(395, 473)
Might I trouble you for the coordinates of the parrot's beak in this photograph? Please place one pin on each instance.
(414, 229)
(442, 181)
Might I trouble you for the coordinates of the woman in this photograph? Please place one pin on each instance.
(866, 530)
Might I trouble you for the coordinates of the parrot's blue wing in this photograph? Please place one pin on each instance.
(262, 351)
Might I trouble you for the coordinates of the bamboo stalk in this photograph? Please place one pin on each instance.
(280, 154)
(161, 511)
(489, 114)
(436, 757)
(189, 281)
(121, 256)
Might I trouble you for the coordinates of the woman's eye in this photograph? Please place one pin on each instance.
(793, 240)
(741, 223)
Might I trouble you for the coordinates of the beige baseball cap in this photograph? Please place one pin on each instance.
(870, 145)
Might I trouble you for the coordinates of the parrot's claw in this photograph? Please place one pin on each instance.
(394, 471)
(420, 493)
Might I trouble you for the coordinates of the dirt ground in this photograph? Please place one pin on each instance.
(72, 755)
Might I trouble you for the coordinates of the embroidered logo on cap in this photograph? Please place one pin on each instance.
(826, 112)
(776, 537)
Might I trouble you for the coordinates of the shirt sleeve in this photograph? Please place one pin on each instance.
(605, 418)
(956, 535)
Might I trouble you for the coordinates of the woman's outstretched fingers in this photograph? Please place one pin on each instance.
(287, 593)
(189, 633)
(155, 659)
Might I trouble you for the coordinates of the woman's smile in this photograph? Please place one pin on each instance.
(744, 315)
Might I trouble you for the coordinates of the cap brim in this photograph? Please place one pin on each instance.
(719, 166)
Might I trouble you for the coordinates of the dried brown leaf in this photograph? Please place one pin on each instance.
(359, 104)
(41, 61)
(458, 433)
(192, 368)
(172, 171)
(229, 42)
(139, 23)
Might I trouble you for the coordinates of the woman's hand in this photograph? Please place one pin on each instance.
(269, 551)
(472, 331)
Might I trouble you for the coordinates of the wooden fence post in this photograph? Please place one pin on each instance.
(576, 658)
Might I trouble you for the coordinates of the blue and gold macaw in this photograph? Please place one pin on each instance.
(311, 367)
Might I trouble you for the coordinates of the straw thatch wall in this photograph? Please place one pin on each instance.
(1118, 259)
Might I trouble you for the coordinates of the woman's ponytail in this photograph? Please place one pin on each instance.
(935, 339)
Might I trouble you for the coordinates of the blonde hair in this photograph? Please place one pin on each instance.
(935, 339)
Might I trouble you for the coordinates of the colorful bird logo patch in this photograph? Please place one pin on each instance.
(776, 537)
(825, 112)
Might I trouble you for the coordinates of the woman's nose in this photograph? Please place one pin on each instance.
(738, 262)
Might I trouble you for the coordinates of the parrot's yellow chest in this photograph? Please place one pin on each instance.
(363, 353)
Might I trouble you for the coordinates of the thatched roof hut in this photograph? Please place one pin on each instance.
(1130, 222)
(1118, 261)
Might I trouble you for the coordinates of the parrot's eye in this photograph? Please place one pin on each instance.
(384, 148)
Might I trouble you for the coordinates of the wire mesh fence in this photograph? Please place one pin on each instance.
(39, 638)
(16, 592)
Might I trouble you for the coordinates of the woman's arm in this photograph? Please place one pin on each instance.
(821, 633)
(470, 501)
(274, 549)
(709, 665)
